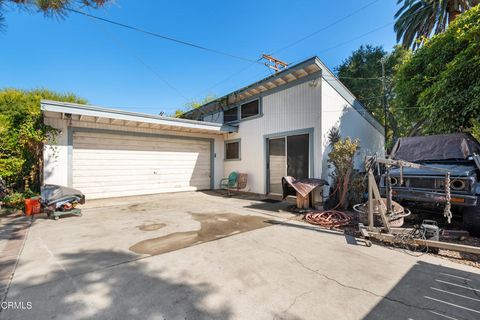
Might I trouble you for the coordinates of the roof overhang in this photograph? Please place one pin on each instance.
(274, 82)
(81, 112)
(305, 70)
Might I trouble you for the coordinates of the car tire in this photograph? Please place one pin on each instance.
(471, 219)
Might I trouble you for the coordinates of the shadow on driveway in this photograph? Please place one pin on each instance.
(429, 291)
(122, 291)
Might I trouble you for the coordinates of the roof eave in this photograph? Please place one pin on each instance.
(99, 112)
(280, 74)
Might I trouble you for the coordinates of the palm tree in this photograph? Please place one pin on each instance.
(419, 19)
(58, 8)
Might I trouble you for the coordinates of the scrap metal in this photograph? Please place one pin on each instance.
(303, 186)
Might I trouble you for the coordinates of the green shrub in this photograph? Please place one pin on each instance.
(14, 200)
(23, 134)
(342, 157)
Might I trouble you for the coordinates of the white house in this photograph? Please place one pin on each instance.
(271, 128)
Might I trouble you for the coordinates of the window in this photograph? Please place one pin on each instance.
(232, 150)
(250, 109)
(230, 115)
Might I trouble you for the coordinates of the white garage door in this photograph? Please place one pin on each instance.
(112, 165)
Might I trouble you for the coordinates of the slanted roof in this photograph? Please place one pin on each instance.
(275, 81)
(96, 114)
(309, 67)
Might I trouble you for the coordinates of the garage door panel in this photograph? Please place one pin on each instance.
(147, 166)
(108, 194)
(152, 145)
(180, 156)
(138, 161)
(132, 171)
(192, 153)
(109, 165)
(82, 136)
(139, 186)
(180, 176)
(152, 184)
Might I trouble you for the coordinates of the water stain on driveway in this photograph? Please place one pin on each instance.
(212, 227)
(151, 227)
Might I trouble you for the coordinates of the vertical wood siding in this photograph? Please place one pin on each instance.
(294, 108)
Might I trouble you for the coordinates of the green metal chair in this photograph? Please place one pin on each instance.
(230, 182)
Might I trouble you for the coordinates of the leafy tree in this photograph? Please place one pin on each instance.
(194, 104)
(417, 20)
(56, 8)
(475, 130)
(23, 134)
(362, 74)
(438, 87)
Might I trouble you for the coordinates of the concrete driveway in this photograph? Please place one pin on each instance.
(204, 256)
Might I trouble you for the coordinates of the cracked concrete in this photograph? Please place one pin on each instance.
(81, 268)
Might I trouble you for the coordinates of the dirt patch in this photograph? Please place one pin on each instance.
(212, 227)
(151, 227)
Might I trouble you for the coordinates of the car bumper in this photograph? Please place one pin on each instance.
(431, 197)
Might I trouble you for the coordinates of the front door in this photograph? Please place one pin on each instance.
(287, 156)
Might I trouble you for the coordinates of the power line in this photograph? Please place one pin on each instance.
(325, 27)
(157, 35)
(358, 37)
(343, 43)
(120, 44)
(231, 76)
(296, 42)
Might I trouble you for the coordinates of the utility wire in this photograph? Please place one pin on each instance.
(358, 37)
(297, 41)
(157, 35)
(346, 42)
(121, 45)
(325, 27)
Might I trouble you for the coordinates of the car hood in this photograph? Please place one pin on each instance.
(459, 170)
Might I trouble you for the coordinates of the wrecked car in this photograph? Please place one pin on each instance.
(458, 154)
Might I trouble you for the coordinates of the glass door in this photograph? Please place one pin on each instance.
(298, 156)
(287, 156)
(277, 163)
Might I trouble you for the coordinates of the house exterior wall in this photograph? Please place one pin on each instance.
(339, 113)
(311, 105)
(57, 152)
(289, 110)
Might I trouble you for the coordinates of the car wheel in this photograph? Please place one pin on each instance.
(471, 219)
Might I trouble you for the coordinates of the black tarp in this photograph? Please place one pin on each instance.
(52, 193)
(437, 147)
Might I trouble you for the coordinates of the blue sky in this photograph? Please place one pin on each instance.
(119, 68)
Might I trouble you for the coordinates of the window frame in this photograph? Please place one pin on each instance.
(238, 115)
(239, 141)
(259, 113)
(239, 111)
